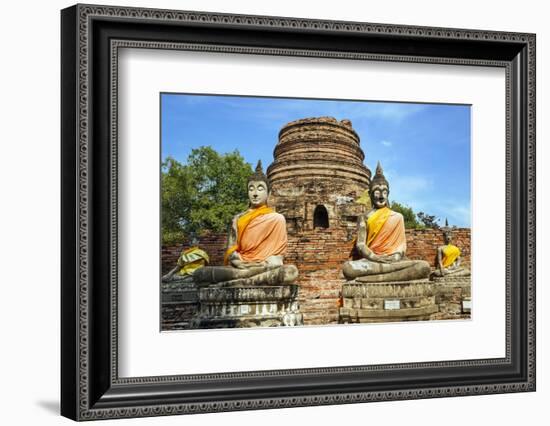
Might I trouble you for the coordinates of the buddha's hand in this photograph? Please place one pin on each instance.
(395, 257)
(379, 258)
(238, 263)
(255, 264)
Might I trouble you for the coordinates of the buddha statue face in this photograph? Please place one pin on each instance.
(448, 235)
(257, 193)
(379, 195)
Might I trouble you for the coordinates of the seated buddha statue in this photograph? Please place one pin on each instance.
(188, 262)
(448, 257)
(256, 245)
(381, 242)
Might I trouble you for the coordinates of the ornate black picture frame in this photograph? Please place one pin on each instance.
(91, 387)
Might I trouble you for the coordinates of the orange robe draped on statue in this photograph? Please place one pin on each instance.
(260, 235)
(386, 232)
(450, 254)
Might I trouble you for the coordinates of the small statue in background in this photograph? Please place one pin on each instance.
(448, 257)
(189, 261)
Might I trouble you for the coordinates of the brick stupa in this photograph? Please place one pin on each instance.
(318, 174)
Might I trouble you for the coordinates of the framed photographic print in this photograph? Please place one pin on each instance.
(263, 212)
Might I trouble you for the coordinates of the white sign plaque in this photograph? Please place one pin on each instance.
(392, 304)
(466, 305)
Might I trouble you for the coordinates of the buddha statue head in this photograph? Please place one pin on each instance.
(379, 189)
(258, 187)
(447, 232)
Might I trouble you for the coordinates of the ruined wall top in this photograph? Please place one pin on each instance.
(344, 127)
(318, 147)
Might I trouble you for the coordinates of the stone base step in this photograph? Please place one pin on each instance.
(348, 315)
(289, 319)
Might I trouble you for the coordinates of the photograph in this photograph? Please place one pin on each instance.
(299, 212)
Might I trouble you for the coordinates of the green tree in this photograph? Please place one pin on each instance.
(408, 215)
(177, 193)
(429, 221)
(203, 194)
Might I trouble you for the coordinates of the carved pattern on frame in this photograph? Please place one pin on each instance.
(86, 12)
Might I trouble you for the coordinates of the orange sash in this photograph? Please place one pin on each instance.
(386, 232)
(450, 254)
(375, 223)
(242, 223)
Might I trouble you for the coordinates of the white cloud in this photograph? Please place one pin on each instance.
(388, 111)
(386, 143)
(408, 186)
(393, 111)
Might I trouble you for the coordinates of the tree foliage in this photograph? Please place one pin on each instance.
(408, 215)
(203, 194)
(429, 221)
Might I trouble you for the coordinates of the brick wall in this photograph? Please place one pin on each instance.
(319, 255)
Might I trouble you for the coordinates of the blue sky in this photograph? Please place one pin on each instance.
(424, 149)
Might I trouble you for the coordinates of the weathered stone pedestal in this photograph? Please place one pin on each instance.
(387, 302)
(180, 304)
(453, 295)
(258, 306)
